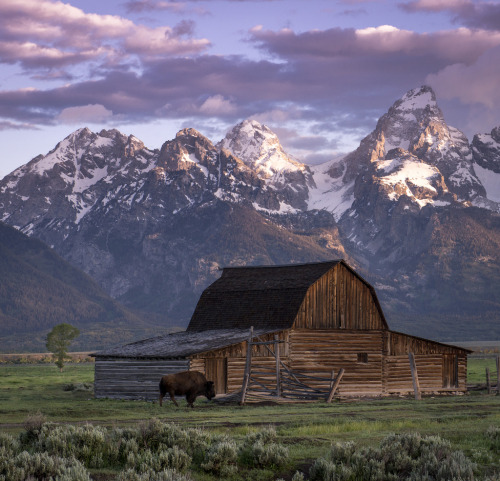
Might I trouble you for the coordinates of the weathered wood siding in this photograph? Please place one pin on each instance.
(234, 358)
(431, 374)
(339, 300)
(133, 378)
(318, 352)
(399, 343)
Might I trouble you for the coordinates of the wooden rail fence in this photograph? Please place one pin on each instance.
(281, 382)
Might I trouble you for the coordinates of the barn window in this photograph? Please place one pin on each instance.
(362, 357)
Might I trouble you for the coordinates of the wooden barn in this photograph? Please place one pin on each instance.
(309, 322)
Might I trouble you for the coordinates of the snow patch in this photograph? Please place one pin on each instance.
(83, 183)
(419, 99)
(283, 209)
(490, 181)
(418, 173)
(332, 195)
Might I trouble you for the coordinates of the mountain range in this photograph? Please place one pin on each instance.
(39, 289)
(415, 209)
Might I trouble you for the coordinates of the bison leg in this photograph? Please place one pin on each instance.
(173, 398)
(161, 398)
(190, 398)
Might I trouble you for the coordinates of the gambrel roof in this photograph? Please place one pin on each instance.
(261, 296)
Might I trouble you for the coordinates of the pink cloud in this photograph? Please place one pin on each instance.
(475, 14)
(94, 113)
(453, 46)
(217, 105)
(58, 33)
(475, 83)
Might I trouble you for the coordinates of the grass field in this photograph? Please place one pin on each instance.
(307, 429)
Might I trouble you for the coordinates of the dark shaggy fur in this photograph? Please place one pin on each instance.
(188, 383)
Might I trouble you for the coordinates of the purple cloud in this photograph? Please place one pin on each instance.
(334, 80)
(47, 34)
(483, 15)
(446, 46)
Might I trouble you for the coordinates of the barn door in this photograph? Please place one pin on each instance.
(450, 370)
(216, 371)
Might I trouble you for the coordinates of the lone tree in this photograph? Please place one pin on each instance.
(58, 341)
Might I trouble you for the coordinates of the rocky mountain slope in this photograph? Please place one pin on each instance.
(38, 290)
(415, 208)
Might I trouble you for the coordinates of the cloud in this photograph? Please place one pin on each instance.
(217, 105)
(475, 86)
(335, 79)
(5, 125)
(48, 33)
(475, 83)
(479, 14)
(139, 6)
(94, 113)
(460, 45)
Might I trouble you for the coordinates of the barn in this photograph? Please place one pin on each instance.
(292, 329)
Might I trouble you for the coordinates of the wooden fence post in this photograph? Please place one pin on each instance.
(277, 355)
(488, 382)
(498, 375)
(414, 376)
(246, 377)
(335, 385)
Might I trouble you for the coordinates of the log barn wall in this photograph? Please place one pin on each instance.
(235, 357)
(133, 378)
(430, 374)
(340, 300)
(364, 355)
(359, 353)
(404, 343)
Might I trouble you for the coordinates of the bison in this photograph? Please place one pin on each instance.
(188, 383)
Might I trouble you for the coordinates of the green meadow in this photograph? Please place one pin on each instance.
(306, 429)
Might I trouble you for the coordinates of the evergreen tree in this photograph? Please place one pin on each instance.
(58, 341)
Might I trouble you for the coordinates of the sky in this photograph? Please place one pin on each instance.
(318, 72)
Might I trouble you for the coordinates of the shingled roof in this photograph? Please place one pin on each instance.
(180, 345)
(264, 297)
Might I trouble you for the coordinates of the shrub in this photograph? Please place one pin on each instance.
(155, 433)
(33, 425)
(221, 457)
(79, 387)
(166, 475)
(298, 476)
(9, 444)
(259, 449)
(265, 436)
(408, 456)
(267, 454)
(164, 459)
(493, 435)
(88, 444)
(42, 466)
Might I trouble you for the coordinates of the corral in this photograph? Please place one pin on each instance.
(309, 321)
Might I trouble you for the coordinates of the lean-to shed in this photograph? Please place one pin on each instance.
(325, 317)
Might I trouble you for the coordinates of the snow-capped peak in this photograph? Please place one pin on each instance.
(416, 99)
(259, 148)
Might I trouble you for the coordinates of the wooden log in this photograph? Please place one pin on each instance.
(498, 375)
(488, 382)
(335, 386)
(277, 355)
(414, 376)
(246, 376)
